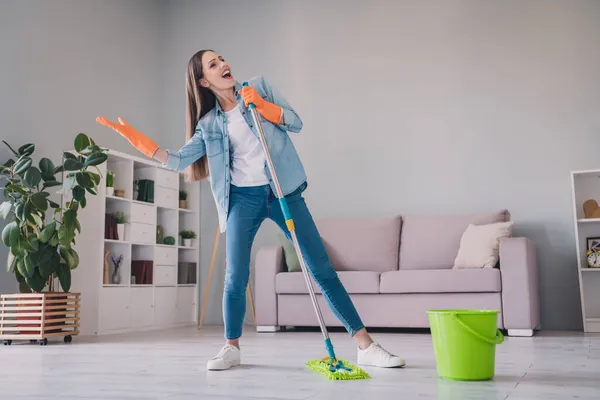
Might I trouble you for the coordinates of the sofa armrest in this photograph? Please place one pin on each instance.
(520, 283)
(269, 262)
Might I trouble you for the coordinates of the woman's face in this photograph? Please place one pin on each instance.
(217, 74)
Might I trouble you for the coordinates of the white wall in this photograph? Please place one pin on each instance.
(419, 107)
(65, 62)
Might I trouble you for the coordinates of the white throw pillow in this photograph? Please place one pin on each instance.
(480, 245)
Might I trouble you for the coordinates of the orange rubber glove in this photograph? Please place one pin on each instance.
(137, 139)
(270, 111)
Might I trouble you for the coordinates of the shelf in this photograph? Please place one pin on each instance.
(168, 295)
(588, 220)
(146, 203)
(117, 241)
(585, 190)
(117, 198)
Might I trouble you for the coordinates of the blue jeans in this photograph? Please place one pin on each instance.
(249, 207)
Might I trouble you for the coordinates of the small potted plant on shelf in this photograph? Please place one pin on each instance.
(110, 183)
(41, 243)
(183, 199)
(121, 219)
(187, 236)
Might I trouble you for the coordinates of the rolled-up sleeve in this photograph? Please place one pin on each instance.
(291, 120)
(193, 150)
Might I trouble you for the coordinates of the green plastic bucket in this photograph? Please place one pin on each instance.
(464, 343)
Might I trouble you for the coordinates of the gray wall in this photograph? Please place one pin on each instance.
(420, 107)
(65, 62)
(508, 90)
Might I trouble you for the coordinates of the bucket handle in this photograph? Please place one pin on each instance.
(498, 339)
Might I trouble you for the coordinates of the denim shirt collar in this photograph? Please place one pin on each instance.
(238, 87)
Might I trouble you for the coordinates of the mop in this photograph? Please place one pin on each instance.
(330, 366)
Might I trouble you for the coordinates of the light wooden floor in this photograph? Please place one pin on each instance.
(172, 365)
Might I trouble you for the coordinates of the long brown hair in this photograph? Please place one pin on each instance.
(199, 101)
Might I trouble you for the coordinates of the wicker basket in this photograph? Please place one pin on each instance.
(38, 316)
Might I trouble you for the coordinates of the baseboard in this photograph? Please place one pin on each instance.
(520, 332)
(267, 328)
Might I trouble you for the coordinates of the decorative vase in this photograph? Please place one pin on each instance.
(110, 191)
(116, 276)
(121, 231)
(183, 204)
(135, 195)
(160, 234)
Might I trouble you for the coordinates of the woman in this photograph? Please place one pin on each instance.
(221, 135)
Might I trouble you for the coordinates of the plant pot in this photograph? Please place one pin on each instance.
(187, 242)
(135, 195)
(183, 203)
(110, 191)
(21, 318)
(121, 231)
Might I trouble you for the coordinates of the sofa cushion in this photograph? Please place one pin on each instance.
(432, 242)
(353, 281)
(362, 244)
(441, 281)
(480, 245)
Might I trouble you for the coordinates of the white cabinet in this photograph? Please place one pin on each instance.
(167, 179)
(167, 198)
(165, 299)
(186, 304)
(142, 233)
(141, 213)
(165, 275)
(114, 308)
(165, 256)
(141, 310)
(157, 287)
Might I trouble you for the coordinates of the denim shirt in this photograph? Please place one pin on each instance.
(212, 139)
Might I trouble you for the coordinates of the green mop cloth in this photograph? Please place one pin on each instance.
(323, 367)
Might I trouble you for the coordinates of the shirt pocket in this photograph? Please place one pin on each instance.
(214, 143)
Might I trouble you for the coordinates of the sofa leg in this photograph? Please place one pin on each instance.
(267, 328)
(520, 332)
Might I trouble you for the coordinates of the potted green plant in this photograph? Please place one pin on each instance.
(121, 219)
(187, 236)
(110, 183)
(183, 199)
(41, 249)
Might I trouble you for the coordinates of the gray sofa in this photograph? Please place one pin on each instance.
(395, 269)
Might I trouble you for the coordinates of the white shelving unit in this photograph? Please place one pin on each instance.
(585, 185)
(170, 297)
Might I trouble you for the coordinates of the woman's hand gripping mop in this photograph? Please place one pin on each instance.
(330, 366)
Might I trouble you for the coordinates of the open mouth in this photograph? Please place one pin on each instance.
(226, 74)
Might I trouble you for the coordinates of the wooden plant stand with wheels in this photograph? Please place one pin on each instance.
(39, 316)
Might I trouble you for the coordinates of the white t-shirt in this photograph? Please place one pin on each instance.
(248, 158)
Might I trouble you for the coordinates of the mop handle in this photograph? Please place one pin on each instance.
(290, 225)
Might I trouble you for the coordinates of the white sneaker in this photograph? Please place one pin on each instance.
(377, 356)
(228, 357)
